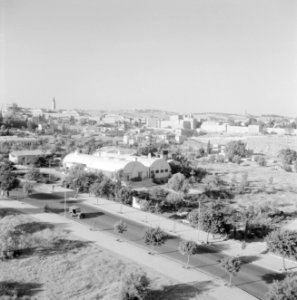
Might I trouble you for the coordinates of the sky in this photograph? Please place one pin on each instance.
(231, 56)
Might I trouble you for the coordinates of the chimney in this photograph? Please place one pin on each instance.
(164, 154)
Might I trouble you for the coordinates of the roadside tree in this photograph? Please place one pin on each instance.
(231, 265)
(33, 174)
(188, 248)
(155, 237)
(120, 227)
(283, 290)
(8, 182)
(284, 243)
(28, 188)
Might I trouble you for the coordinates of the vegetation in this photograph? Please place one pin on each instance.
(120, 227)
(135, 286)
(283, 242)
(8, 180)
(188, 248)
(231, 265)
(33, 174)
(283, 290)
(236, 150)
(288, 156)
(155, 237)
(178, 183)
(260, 159)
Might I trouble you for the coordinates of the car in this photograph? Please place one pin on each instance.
(75, 212)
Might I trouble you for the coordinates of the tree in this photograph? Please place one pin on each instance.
(287, 156)
(193, 218)
(236, 148)
(231, 265)
(33, 174)
(134, 286)
(175, 200)
(208, 148)
(178, 183)
(283, 290)
(188, 248)
(120, 227)
(261, 161)
(243, 184)
(28, 188)
(8, 182)
(213, 221)
(284, 243)
(155, 237)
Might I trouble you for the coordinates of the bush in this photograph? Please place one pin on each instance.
(134, 286)
(287, 167)
(236, 159)
(261, 160)
(220, 159)
(236, 149)
(288, 156)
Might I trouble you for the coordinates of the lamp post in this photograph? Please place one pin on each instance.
(65, 200)
(199, 217)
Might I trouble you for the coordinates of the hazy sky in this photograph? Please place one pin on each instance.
(184, 56)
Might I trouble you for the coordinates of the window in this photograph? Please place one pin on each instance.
(157, 171)
(162, 171)
(166, 170)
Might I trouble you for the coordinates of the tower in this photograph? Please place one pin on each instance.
(54, 104)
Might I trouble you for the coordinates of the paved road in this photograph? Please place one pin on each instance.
(251, 278)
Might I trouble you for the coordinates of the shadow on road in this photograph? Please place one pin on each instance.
(249, 259)
(270, 277)
(182, 291)
(93, 215)
(18, 290)
(45, 196)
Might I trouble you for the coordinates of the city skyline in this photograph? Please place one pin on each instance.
(198, 56)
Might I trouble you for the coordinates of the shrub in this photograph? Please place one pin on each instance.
(236, 149)
(236, 159)
(288, 156)
(261, 160)
(134, 286)
(220, 159)
(287, 167)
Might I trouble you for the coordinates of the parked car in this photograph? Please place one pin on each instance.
(75, 212)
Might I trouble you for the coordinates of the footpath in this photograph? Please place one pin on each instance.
(215, 288)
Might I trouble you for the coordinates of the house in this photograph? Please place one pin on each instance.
(24, 157)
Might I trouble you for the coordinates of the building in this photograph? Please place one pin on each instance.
(24, 157)
(125, 166)
(54, 104)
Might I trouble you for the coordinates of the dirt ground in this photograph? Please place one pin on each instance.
(73, 269)
(269, 185)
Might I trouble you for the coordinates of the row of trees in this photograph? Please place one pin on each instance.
(155, 237)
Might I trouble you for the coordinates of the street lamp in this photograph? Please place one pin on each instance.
(65, 200)
(199, 218)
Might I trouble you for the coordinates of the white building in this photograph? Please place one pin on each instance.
(125, 166)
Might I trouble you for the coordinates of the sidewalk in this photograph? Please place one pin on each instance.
(216, 289)
(229, 247)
